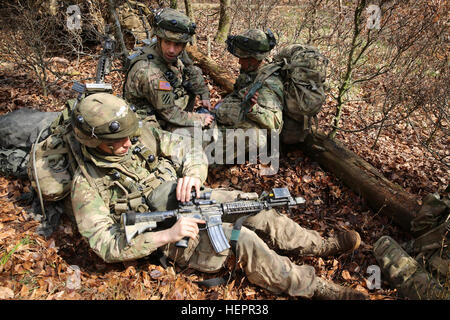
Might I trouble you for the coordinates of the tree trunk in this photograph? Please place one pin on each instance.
(188, 6)
(209, 66)
(224, 21)
(174, 4)
(53, 7)
(190, 14)
(118, 30)
(382, 195)
(346, 81)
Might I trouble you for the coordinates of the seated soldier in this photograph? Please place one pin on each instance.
(130, 167)
(163, 79)
(266, 106)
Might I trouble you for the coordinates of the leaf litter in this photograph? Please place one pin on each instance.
(32, 267)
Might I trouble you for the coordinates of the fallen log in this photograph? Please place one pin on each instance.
(382, 195)
(221, 77)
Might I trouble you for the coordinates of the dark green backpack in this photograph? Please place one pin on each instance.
(303, 71)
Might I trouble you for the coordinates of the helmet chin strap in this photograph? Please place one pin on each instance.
(158, 44)
(106, 149)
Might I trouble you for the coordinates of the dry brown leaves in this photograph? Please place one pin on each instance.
(32, 267)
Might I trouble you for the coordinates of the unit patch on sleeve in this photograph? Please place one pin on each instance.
(166, 98)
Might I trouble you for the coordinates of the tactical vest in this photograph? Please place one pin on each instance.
(125, 185)
(172, 75)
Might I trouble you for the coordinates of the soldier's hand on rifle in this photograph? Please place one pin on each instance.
(184, 227)
(207, 104)
(207, 119)
(253, 100)
(184, 188)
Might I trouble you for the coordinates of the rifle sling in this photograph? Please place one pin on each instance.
(260, 78)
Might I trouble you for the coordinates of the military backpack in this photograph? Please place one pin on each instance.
(18, 131)
(52, 162)
(303, 70)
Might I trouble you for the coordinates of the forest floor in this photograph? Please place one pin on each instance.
(35, 267)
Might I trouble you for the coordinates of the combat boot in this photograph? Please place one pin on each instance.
(346, 241)
(327, 290)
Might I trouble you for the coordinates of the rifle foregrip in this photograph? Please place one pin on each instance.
(242, 207)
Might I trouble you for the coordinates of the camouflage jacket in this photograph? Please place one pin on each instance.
(154, 85)
(267, 113)
(122, 183)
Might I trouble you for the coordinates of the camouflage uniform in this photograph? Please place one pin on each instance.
(267, 112)
(168, 89)
(145, 179)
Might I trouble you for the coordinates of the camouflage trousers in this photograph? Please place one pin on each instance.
(262, 265)
(237, 136)
(236, 145)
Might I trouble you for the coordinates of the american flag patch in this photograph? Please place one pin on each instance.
(164, 85)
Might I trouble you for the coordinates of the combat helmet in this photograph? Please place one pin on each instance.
(103, 117)
(252, 43)
(173, 25)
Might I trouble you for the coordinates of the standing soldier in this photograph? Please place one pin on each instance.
(140, 168)
(163, 81)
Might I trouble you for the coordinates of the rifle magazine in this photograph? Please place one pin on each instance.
(216, 235)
